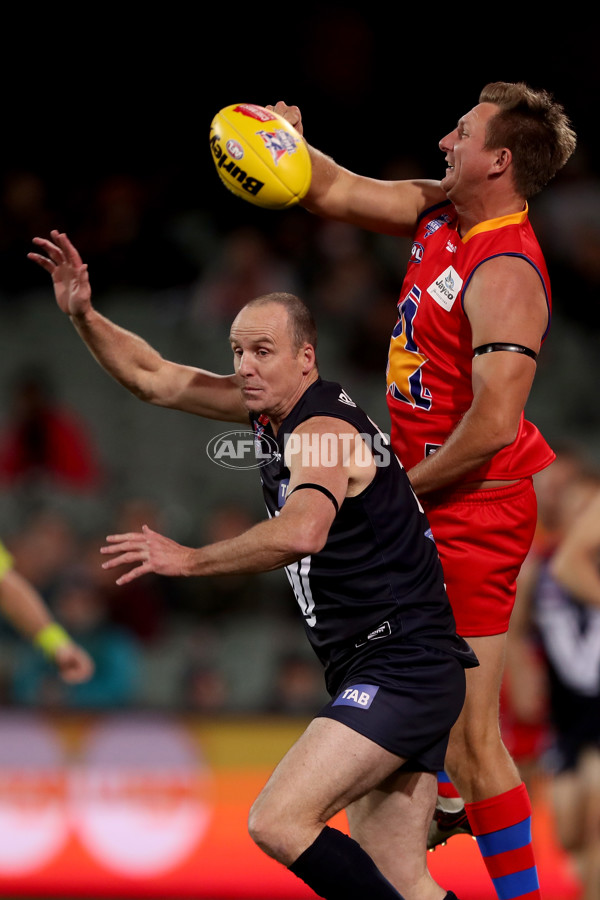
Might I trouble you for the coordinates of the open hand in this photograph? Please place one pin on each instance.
(147, 551)
(69, 274)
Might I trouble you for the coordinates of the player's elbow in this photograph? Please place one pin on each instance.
(502, 439)
(309, 544)
(307, 539)
(501, 432)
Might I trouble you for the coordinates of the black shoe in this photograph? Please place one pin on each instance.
(445, 825)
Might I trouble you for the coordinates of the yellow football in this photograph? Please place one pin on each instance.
(260, 156)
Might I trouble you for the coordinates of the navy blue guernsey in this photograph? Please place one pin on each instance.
(379, 568)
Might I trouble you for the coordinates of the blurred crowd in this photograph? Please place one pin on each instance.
(223, 646)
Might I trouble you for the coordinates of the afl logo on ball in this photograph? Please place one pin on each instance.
(235, 149)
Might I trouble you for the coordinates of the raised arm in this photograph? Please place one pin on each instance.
(505, 303)
(387, 207)
(127, 357)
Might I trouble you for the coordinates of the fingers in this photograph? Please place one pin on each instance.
(130, 536)
(71, 253)
(59, 250)
(130, 558)
(125, 557)
(132, 540)
(128, 549)
(126, 552)
(54, 252)
(144, 569)
(42, 261)
(291, 113)
(83, 276)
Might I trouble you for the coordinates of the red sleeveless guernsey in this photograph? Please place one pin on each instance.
(429, 365)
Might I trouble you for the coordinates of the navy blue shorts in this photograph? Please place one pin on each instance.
(403, 697)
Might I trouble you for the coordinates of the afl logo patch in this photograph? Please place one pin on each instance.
(416, 254)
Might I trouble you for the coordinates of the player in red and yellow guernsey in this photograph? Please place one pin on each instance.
(430, 389)
(429, 380)
(473, 312)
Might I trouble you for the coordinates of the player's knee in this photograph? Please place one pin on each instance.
(267, 829)
(258, 827)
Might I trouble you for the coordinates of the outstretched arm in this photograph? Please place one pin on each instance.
(387, 207)
(266, 546)
(127, 357)
(24, 608)
(300, 529)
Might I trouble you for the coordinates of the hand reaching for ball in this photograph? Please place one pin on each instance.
(291, 114)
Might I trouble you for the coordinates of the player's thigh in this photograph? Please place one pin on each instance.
(328, 768)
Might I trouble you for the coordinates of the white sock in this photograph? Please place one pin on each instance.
(450, 804)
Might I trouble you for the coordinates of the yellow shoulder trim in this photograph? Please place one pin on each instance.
(500, 222)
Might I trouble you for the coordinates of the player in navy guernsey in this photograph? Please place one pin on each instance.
(356, 545)
(370, 574)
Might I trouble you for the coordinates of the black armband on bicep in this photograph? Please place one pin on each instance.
(317, 487)
(515, 348)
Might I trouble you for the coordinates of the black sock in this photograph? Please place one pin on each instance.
(337, 868)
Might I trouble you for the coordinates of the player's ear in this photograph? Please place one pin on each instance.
(308, 358)
(502, 160)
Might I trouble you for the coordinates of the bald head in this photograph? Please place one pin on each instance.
(273, 357)
(301, 325)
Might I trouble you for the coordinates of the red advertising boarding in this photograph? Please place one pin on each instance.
(156, 806)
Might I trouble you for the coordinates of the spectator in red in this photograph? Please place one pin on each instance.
(44, 442)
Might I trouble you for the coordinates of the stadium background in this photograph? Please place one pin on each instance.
(140, 785)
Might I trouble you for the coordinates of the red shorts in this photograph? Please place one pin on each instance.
(482, 538)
